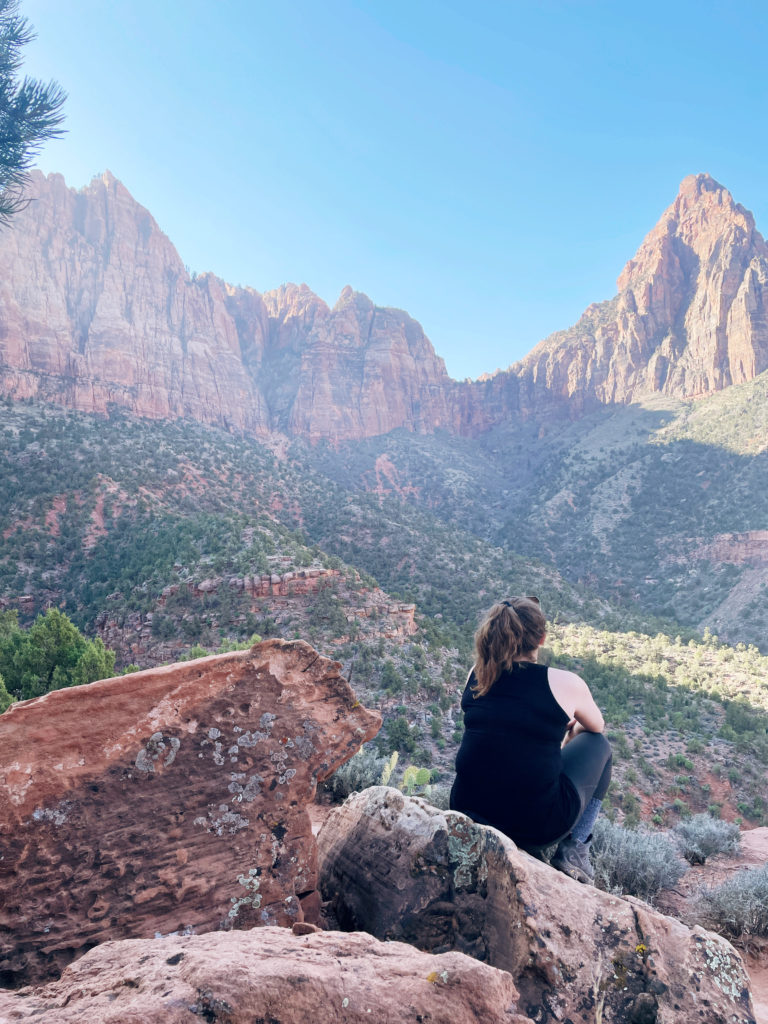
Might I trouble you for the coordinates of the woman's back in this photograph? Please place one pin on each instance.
(508, 768)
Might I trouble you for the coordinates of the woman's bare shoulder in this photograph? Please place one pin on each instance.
(565, 678)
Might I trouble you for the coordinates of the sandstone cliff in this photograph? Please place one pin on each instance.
(689, 318)
(97, 308)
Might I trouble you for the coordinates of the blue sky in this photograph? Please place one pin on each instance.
(489, 167)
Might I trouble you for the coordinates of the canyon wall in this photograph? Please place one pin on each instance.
(96, 308)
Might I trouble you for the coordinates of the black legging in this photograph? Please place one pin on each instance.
(587, 761)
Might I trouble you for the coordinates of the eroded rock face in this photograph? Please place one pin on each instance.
(96, 307)
(401, 869)
(171, 800)
(689, 317)
(268, 975)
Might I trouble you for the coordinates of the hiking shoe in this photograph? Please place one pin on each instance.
(572, 858)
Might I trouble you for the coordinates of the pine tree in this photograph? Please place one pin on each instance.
(30, 111)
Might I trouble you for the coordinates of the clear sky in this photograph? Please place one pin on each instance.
(488, 167)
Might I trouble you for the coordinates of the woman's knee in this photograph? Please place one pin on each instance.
(605, 746)
(589, 752)
(595, 742)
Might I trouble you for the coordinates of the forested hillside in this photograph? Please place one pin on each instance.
(165, 538)
(658, 505)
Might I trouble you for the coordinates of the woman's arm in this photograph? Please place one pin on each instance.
(572, 694)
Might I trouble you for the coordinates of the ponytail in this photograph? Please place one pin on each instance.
(512, 628)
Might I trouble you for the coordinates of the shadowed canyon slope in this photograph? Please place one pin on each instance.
(96, 307)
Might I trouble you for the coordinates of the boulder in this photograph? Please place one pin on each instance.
(400, 869)
(268, 975)
(170, 800)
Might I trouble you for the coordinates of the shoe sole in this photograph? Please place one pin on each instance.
(575, 873)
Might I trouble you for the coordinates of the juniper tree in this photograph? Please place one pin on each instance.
(30, 111)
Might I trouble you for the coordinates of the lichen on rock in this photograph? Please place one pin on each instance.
(403, 870)
(123, 815)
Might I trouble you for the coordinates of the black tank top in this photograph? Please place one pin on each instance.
(508, 768)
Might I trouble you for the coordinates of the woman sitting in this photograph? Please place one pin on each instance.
(533, 762)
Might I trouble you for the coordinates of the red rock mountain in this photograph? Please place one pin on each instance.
(689, 318)
(96, 307)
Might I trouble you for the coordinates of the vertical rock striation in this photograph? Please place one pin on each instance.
(689, 318)
(97, 308)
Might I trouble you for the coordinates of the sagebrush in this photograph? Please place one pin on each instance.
(363, 770)
(737, 907)
(703, 836)
(634, 862)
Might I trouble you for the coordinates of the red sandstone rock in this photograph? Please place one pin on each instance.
(97, 308)
(268, 975)
(171, 800)
(750, 548)
(365, 370)
(689, 319)
(401, 869)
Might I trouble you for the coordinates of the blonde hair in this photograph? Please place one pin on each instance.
(513, 627)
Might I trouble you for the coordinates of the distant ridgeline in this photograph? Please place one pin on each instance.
(589, 454)
(97, 308)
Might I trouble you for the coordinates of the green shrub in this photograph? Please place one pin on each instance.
(634, 862)
(680, 807)
(51, 654)
(400, 734)
(702, 836)
(362, 771)
(194, 653)
(391, 680)
(737, 907)
(438, 796)
(5, 698)
(679, 761)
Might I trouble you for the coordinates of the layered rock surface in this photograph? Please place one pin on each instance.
(402, 870)
(96, 308)
(170, 800)
(268, 975)
(132, 636)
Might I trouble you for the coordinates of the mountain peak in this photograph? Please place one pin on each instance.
(294, 300)
(695, 184)
(703, 226)
(690, 318)
(350, 297)
(701, 196)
